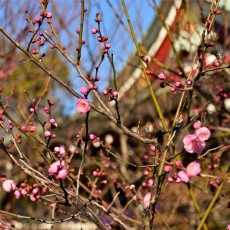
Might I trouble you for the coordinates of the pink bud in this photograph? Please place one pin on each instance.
(178, 84)
(115, 94)
(24, 191)
(35, 191)
(168, 168)
(104, 181)
(189, 82)
(32, 197)
(84, 90)
(145, 59)
(52, 121)
(94, 31)
(47, 133)
(17, 194)
(179, 164)
(173, 89)
(38, 19)
(32, 129)
(161, 76)
(107, 46)
(148, 72)
(92, 136)
(132, 186)
(150, 182)
(99, 38)
(48, 15)
(105, 92)
(24, 128)
(197, 125)
(90, 86)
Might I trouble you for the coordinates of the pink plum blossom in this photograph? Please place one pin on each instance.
(82, 106)
(193, 169)
(58, 169)
(193, 144)
(147, 200)
(55, 167)
(62, 174)
(183, 176)
(203, 133)
(8, 185)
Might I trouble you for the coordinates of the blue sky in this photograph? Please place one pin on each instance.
(122, 46)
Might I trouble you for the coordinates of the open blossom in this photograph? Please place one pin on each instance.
(183, 176)
(193, 169)
(82, 106)
(8, 185)
(60, 151)
(54, 168)
(193, 144)
(62, 174)
(58, 169)
(203, 133)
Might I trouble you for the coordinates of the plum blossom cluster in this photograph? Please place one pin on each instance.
(21, 191)
(91, 86)
(101, 38)
(195, 143)
(58, 170)
(192, 170)
(112, 95)
(53, 125)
